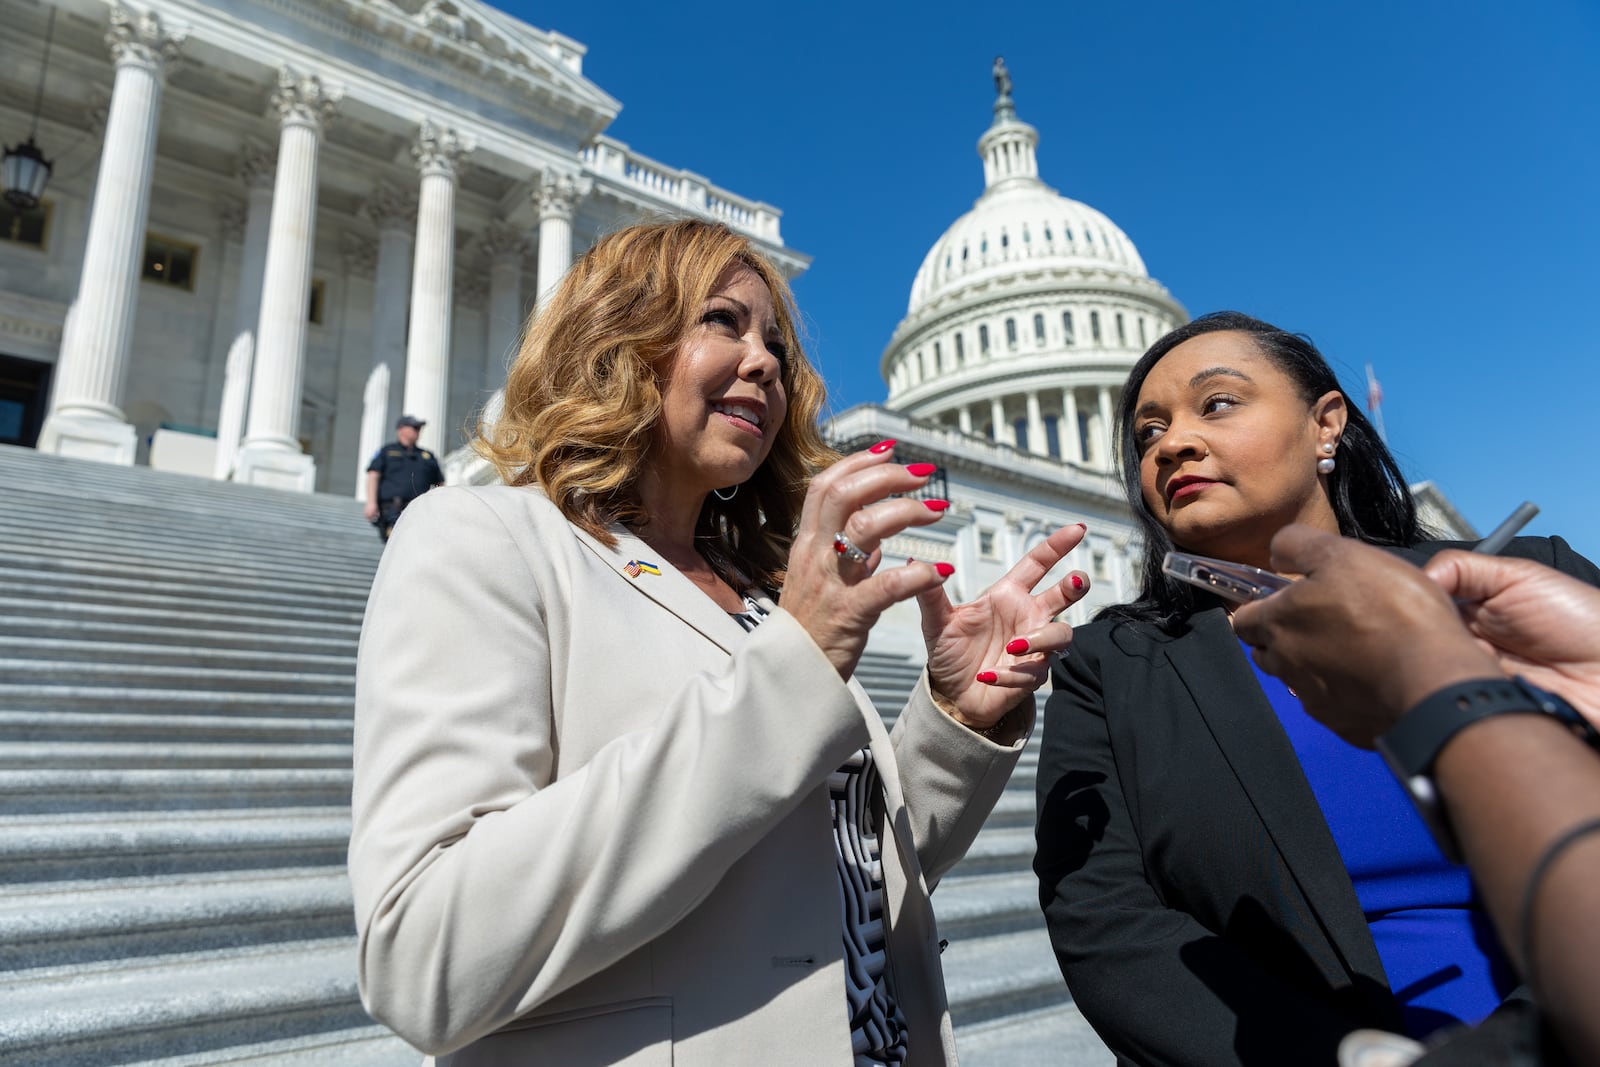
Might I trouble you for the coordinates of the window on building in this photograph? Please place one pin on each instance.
(1019, 432)
(1068, 336)
(988, 430)
(983, 340)
(1088, 235)
(1025, 238)
(961, 352)
(1052, 436)
(1094, 326)
(922, 368)
(317, 305)
(963, 253)
(938, 355)
(1011, 333)
(1122, 332)
(1047, 235)
(1038, 330)
(1005, 240)
(169, 261)
(986, 543)
(983, 247)
(30, 227)
(1142, 341)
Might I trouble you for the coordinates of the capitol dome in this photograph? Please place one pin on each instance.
(1027, 313)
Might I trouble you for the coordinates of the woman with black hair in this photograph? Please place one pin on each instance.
(1224, 880)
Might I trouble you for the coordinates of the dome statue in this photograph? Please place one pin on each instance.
(1027, 312)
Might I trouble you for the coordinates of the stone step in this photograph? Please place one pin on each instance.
(154, 728)
(32, 592)
(993, 977)
(262, 590)
(358, 1046)
(176, 1005)
(41, 605)
(1057, 1036)
(151, 571)
(122, 699)
(122, 844)
(348, 534)
(82, 649)
(127, 676)
(46, 790)
(998, 849)
(983, 905)
(247, 640)
(236, 556)
(95, 923)
(168, 755)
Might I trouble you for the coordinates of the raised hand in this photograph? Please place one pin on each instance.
(835, 595)
(987, 655)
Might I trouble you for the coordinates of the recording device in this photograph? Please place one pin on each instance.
(1237, 582)
(1241, 583)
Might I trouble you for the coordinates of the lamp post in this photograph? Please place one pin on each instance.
(24, 170)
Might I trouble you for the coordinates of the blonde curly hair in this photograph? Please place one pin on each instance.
(583, 396)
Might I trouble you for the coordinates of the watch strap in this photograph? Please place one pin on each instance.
(1414, 743)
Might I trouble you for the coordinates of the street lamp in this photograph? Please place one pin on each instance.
(24, 170)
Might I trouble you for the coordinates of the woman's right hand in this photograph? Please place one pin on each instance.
(836, 599)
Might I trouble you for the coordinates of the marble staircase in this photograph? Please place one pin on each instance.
(176, 675)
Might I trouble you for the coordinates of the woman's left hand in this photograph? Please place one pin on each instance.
(987, 655)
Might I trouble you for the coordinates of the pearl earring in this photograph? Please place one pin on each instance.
(1326, 464)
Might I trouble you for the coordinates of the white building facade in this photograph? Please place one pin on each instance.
(271, 218)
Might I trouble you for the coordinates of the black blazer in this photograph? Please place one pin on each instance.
(1197, 903)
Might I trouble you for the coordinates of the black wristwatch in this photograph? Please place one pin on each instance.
(1413, 744)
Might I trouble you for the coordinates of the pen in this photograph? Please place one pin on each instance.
(1502, 535)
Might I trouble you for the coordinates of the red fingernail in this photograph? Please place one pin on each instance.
(922, 470)
(945, 569)
(1082, 526)
(883, 446)
(1017, 647)
(987, 677)
(1077, 582)
(936, 505)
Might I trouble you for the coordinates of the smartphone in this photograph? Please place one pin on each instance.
(1231, 581)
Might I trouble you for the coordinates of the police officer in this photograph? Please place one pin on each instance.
(398, 474)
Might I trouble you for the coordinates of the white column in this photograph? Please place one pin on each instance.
(438, 152)
(1071, 437)
(997, 416)
(257, 168)
(86, 417)
(270, 453)
(505, 247)
(395, 215)
(557, 198)
(1107, 447)
(964, 418)
(1036, 442)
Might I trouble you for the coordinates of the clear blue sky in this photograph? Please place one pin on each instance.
(1414, 184)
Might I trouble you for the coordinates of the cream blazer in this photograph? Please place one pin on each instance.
(591, 820)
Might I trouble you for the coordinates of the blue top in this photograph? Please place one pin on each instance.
(1439, 951)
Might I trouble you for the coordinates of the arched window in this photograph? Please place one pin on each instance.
(1052, 436)
(1094, 326)
(1019, 430)
(1143, 342)
(922, 371)
(961, 352)
(1047, 235)
(1069, 337)
(938, 356)
(1038, 330)
(983, 247)
(963, 253)
(1122, 331)
(983, 340)
(1011, 333)
(1005, 240)
(1026, 239)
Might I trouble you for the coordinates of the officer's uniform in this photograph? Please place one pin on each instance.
(403, 475)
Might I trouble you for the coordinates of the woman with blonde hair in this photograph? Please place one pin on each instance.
(618, 799)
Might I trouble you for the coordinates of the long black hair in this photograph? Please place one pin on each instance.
(1368, 493)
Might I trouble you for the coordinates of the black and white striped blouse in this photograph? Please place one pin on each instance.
(877, 1029)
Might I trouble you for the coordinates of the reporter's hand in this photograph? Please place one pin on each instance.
(1538, 622)
(1361, 638)
(370, 510)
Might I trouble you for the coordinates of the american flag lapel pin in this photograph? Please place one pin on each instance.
(637, 567)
